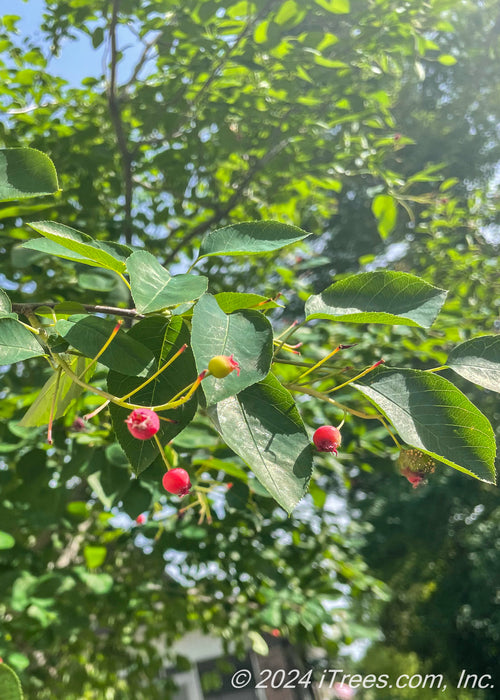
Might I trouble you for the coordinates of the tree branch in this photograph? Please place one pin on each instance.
(143, 58)
(226, 207)
(116, 120)
(27, 308)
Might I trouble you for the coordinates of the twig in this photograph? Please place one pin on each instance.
(231, 202)
(116, 120)
(28, 308)
(143, 58)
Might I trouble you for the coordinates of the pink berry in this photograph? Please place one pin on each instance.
(327, 438)
(177, 481)
(141, 519)
(222, 365)
(143, 423)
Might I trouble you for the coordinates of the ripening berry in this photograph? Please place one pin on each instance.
(141, 519)
(177, 481)
(275, 632)
(327, 438)
(143, 423)
(415, 465)
(222, 365)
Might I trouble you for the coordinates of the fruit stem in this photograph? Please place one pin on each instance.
(53, 406)
(175, 402)
(287, 333)
(36, 331)
(324, 397)
(103, 349)
(94, 413)
(384, 423)
(124, 280)
(358, 376)
(162, 452)
(156, 374)
(321, 362)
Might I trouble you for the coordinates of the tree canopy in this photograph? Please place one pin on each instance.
(346, 132)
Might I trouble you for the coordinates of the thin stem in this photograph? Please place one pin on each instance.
(384, 423)
(124, 280)
(94, 413)
(27, 308)
(358, 376)
(80, 382)
(156, 374)
(321, 362)
(162, 452)
(103, 349)
(287, 333)
(53, 406)
(175, 403)
(324, 397)
(437, 369)
(30, 328)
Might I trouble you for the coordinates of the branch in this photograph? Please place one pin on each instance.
(27, 308)
(116, 120)
(143, 58)
(226, 207)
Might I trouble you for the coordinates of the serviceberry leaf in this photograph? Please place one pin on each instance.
(430, 413)
(263, 426)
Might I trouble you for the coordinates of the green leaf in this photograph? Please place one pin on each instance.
(94, 556)
(47, 247)
(6, 307)
(163, 338)
(100, 584)
(250, 237)
(6, 541)
(10, 687)
(101, 281)
(386, 212)
(235, 301)
(259, 644)
(5, 304)
(67, 392)
(26, 172)
(246, 334)
(17, 342)
(109, 255)
(379, 297)
(447, 59)
(337, 7)
(154, 289)
(124, 354)
(430, 413)
(478, 360)
(263, 426)
(137, 499)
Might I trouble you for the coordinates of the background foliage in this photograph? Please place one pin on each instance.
(375, 126)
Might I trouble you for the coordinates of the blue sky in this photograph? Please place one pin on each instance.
(78, 58)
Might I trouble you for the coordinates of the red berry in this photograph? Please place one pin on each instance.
(327, 438)
(78, 425)
(222, 365)
(275, 632)
(143, 423)
(177, 481)
(141, 519)
(229, 485)
(415, 465)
